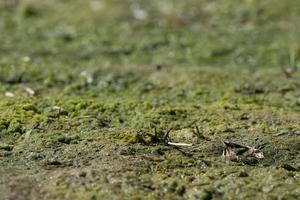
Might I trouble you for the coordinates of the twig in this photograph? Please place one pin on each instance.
(179, 144)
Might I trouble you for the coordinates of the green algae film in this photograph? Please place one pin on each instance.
(108, 85)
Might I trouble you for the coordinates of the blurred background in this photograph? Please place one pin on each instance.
(248, 33)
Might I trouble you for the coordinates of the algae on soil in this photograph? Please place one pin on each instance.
(102, 72)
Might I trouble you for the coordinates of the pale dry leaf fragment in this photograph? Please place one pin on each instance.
(26, 59)
(56, 108)
(30, 91)
(27, 134)
(179, 144)
(96, 5)
(88, 78)
(138, 12)
(9, 94)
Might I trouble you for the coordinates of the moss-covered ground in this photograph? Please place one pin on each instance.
(89, 88)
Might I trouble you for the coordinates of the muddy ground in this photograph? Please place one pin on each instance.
(89, 89)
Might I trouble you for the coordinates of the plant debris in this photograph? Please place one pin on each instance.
(236, 151)
(110, 72)
(30, 91)
(138, 12)
(9, 94)
(160, 138)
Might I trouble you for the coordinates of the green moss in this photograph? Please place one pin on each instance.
(109, 85)
(16, 126)
(29, 107)
(68, 139)
(4, 124)
(6, 147)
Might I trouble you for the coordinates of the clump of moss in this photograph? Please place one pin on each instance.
(4, 124)
(16, 126)
(28, 9)
(68, 139)
(6, 147)
(30, 107)
(139, 137)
